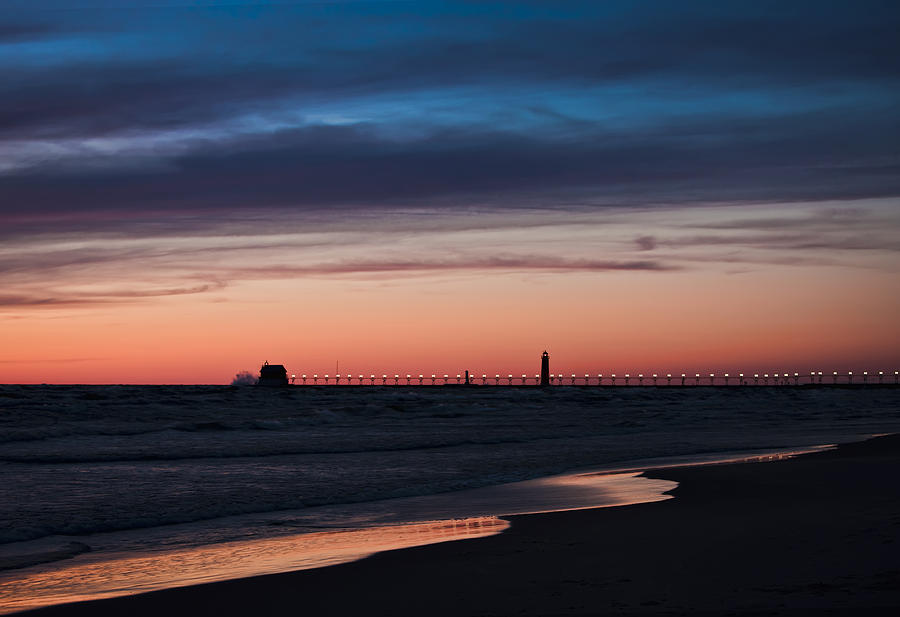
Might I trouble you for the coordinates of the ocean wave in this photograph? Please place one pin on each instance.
(79, 460)
(46, 550)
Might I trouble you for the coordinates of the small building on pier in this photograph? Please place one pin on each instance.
(272, 375)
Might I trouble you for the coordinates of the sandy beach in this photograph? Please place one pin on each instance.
(815, 535)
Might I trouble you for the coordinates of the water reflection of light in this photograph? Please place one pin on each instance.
(115, 575)
(392, 524)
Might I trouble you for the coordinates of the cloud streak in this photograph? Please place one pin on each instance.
(149, 151)
(169, 110)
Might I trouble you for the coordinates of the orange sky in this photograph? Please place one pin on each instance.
(710, 306)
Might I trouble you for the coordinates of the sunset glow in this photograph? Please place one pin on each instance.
(344, 194)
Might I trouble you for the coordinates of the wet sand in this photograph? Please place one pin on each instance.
(815, 535)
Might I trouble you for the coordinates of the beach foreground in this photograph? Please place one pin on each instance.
(814, 535)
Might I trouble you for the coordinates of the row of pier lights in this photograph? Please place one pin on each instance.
(655, 379)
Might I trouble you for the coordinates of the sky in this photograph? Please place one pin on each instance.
(190, 188)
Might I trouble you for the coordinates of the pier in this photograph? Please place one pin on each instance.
(664, 380)
(545, 378)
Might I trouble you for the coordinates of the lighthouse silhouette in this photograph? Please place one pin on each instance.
(545, 369)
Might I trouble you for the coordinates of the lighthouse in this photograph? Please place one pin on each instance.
(545, 369)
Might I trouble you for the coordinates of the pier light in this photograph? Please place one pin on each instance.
(371, 376)
(585, 375)
(510, 375)
(445, 376)
(304, 376)
(420, 376)
(433, 376)
(326, 376)
(360, 378)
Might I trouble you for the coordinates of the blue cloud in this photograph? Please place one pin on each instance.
(133, 105)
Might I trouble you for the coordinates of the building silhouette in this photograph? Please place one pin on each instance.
(272, 375)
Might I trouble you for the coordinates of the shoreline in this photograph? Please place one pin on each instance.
(108, 565)
(814, 534)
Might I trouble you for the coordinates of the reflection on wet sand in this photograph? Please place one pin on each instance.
(355, 531)
(85, 578)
